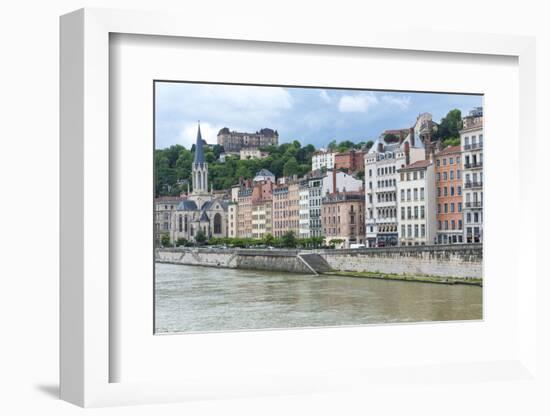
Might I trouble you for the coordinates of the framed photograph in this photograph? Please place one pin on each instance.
(279, 214)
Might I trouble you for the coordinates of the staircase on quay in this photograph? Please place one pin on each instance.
(315, 262)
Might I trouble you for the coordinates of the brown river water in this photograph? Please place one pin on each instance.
(206, 299)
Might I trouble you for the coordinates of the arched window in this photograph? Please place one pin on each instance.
(217, 223)
(180, 223)
(199, 180)
(185, 224)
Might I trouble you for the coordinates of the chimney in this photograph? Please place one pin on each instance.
(380, 147)
(401, 136)
(407, 154)
(334, 180)
(411, 133)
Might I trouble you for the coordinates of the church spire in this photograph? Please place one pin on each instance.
(199, 147)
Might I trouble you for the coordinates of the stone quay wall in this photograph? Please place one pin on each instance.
(271, 260)
(456, 260)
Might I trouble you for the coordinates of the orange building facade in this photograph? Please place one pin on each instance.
(448, 182)
(286, 209)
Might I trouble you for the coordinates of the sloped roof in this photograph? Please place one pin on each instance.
(187, 205)
(417, 165)
(264, 172)
(209, 204)
(204, 217)
(449, 150)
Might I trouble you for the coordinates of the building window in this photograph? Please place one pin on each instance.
(460, 224)
(416, 230)
(416, 194)
(402, 213)
(422, 230)
(422, 212)
(452, 190)
(403, 231)
(421, 174)
(452, 207)
(452, 173)
(409, 213)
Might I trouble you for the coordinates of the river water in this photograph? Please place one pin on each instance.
(194, 298)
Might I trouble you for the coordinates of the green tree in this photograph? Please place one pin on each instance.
(289, 239)
(165, 240)
(200, 237)
(291, 167)
(449, 125)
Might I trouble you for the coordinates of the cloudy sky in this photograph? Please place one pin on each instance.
(309, 115)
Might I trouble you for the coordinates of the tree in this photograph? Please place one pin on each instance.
(291, 167)
(450, 125)
(200, 238)
(288, 239)
(268, 239)
(165, 240)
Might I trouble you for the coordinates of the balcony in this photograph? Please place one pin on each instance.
(477, 204)
(473, 185)
(473, 146)
(473, 165)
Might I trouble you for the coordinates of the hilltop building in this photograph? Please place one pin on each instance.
(234, 141)
(323, 159)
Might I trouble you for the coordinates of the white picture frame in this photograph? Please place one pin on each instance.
(86, 355)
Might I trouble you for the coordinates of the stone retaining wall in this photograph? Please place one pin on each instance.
(458, 260)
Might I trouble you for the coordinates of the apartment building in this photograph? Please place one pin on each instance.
(382, 163)
(286, 217)
(342, 216)
(315, 188)
(322, 159)
(351, 161)
(303, 212)
(448, 182)
(261, 209)
(471, 140)
(417, 204)
(244, 212)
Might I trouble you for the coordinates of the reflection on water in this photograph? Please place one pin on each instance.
(193, 298)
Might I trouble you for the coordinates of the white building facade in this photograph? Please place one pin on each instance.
(417, 224)
(322, 159)
(315, 188)
(303, 211)
(382, 163)
(471, 141)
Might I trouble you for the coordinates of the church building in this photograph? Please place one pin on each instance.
(200, 210)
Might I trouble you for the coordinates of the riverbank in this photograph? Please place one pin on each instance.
(410, 278)
(453, 264)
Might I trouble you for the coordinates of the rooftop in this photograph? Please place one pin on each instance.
(449, 150)
(421, 164)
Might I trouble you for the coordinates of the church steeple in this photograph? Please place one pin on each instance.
(199, 148)
(200, 167)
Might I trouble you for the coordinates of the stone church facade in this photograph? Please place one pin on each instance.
(200, 210)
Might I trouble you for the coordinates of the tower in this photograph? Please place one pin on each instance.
(200, 167)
